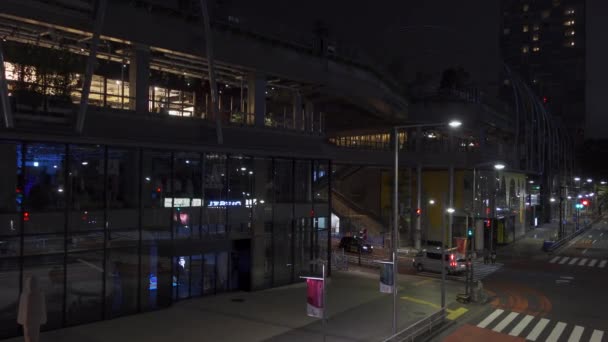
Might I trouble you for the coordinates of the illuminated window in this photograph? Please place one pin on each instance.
(535, 37)
(569, 11)
(525, 49)
(525, 28)
(571, 43)
(536, 49)
(526, 7)
(569, 23)
(570, 33)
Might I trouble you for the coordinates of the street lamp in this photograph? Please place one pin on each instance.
(452, 124)
(431, 201)
(449, 211)
(577, 179)
(589, 180)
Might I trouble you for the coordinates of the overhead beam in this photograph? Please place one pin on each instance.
(100, 12)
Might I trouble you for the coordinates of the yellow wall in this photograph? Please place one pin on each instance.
(435, 185)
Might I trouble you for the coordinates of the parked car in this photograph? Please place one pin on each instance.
(430, 260)
(355, 245)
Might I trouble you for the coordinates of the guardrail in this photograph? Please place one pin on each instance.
(424, 325)
(559, 243)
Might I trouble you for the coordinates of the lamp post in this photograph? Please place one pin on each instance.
(498, 166)
(452, 124)
(449, 211)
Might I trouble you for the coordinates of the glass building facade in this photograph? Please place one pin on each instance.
(113, 230)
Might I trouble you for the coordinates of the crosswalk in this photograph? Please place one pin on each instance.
(578, 261)
(534, 328)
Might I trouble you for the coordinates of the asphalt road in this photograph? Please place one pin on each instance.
(544, 297)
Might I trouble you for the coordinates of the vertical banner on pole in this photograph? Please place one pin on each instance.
(387, 280)
(314, 297)
(461, 244)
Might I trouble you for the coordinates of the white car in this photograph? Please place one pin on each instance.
(430, 260)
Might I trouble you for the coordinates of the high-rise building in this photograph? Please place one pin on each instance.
(544, 41)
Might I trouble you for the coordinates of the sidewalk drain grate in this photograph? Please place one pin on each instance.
(238, 300)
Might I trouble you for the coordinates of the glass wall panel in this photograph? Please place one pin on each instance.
(188, 197)
(181, 277)
(302, 178)
(222, 272)
(241, 193)
(320, 181)
(122, 189)
(44, 188)
(216, 198)
(121, 281)
(84, 287)
(209, 273)
(196, 275)
(157, 195)
(156, 279)
(282, 247)
(50, 272)
(86, 191)
(283, 180)
(10, 228)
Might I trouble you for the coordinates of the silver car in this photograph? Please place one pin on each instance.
(430, 260)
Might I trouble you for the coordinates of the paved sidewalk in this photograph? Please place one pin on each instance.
(357, 311)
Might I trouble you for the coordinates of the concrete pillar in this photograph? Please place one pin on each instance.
(139, 78)
(256, 97)
(8, 181)
(309, 112)
(297, 111)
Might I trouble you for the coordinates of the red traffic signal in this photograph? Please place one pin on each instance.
(418, 212)
(585, 203)
(488, 223)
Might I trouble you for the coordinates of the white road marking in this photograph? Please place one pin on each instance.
(567, 277)
(503, 324)
(576, 334)
(554, 259)
(564, 260)
(594, 241)
(592, 263)
(538, 328)
(597, 336)
(521, 325)
(561, 281)
(601, 234)
(573, 261)
(602, 263)
(583, 261)
(556, 332)
(585, 251)
(490, 318)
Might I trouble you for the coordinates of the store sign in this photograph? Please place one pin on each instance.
(197, 202)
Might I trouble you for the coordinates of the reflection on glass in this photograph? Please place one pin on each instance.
(209, 273)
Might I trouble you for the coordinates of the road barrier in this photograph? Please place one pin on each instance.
(423, 326)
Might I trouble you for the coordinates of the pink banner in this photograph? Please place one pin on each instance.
(314, 298)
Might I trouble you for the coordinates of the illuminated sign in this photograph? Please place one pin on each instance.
(197, 202)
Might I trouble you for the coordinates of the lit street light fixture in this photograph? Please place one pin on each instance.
(577, 179)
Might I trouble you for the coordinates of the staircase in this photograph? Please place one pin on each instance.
(354, 218)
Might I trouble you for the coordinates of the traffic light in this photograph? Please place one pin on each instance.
(488, 223)
(418, 212)
(469, 232)
(585, 203)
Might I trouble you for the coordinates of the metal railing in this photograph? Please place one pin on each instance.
(423, 326)
(559, 243)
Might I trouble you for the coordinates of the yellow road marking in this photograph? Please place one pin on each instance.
(452, 314)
